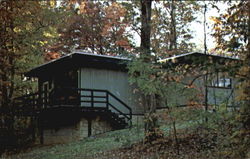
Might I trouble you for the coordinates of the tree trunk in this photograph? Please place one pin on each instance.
(145, 25)
(173, 38)
(151, 127)
(176, 138)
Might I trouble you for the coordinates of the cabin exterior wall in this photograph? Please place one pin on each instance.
(116, 82)
(179, 95)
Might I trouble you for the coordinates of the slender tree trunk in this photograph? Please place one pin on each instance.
(246, 91)
(204, 28)
(145, 25)
(8, 70)
(173, 38)
(151, 129)
(205, 52)
(11, 59)
(176, 138)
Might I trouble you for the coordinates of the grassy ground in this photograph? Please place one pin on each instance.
(93, 146)
(195, 141)
(85, 147)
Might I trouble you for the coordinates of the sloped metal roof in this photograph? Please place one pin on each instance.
(196, 54)
(79, 59)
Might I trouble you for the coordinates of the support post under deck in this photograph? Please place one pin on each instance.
(89, 127)
(40, 129)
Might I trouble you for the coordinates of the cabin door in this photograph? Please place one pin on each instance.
(66, 92)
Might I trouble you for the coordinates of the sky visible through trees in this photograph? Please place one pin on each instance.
(197, 26)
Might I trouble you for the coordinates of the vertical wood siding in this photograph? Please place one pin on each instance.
(114, 81)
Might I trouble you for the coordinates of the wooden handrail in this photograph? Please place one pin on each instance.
(37, 100)
(124, 104)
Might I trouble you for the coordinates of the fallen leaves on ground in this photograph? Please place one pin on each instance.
(196, 145)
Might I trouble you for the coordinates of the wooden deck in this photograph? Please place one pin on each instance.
(70, 98)
(70, 103)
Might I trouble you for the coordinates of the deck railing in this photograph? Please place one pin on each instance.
(29, 103)
(75, 97)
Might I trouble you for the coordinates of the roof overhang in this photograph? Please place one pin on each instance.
(197, 58)
(77, 60)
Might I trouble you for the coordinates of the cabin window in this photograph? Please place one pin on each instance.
(219, 80)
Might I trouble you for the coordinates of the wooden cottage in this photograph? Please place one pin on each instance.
(205, 78)
(80, 95)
